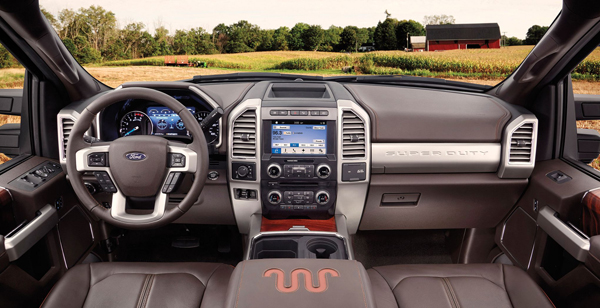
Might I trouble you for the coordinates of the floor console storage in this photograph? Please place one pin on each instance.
(300, 283)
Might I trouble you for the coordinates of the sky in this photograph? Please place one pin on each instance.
(513, 16)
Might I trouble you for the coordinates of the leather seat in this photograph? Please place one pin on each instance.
(455, 285)
(139, 285)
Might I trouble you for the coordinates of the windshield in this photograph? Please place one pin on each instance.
(465, 40)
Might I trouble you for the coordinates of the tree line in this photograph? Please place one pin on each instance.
(93, 35)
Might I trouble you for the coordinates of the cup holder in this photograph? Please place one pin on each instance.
(299, 247)
(323, 248)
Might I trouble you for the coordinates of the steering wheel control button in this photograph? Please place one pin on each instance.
(354, 172)
(172, 182)
(97, 160)
(243, 171)
(105, 181)
(176, 160)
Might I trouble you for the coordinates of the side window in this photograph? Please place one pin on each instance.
(12, 75)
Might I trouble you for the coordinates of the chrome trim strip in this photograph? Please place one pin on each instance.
(244, 209)
(567, 238)
(436, 157)
(19, 243)
(61, 145)
(352, 196)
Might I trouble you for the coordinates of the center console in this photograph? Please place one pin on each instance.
(299, 166)
(298, 151)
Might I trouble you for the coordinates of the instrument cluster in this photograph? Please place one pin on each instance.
(142, 117)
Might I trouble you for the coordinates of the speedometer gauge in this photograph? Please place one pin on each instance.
(135, 123)
(212, 134)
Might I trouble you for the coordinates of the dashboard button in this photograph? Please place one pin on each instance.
(303, 112)
(295, 112)
(323, 113)
(274, 112)
(314, 112)
(213, 175)
(283, 112)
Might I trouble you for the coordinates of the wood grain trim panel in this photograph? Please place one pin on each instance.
(270, 225)
(591, 213)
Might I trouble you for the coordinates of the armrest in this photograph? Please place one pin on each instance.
(299, 283)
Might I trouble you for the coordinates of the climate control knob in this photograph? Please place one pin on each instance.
(274, 197)
(322, 197)
(323, 171)
(274, 171)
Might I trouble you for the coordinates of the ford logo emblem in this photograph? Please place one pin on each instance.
(136, 156)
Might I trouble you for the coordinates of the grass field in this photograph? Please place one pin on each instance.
(482, 66)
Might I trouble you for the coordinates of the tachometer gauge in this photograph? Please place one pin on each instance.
(212, 135)
(135, 123)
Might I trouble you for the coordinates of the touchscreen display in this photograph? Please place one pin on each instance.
(299, 137)
(166, 122)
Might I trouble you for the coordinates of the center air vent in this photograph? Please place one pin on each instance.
(353, 135)
(244, 135)
(66, 127)
(521, 144)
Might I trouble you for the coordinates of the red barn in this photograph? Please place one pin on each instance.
(463, 36)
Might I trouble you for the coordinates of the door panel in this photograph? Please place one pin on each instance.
(52, 233)
(557, 257)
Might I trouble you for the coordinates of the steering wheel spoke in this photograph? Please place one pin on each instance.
(119, 204)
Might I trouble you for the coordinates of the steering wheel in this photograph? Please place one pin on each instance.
(137, 166)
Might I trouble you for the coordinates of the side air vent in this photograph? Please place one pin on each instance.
(66, 127)
(521, 142)
(353, 135)
(244, 135)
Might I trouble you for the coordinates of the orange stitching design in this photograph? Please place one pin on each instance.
(308, 279)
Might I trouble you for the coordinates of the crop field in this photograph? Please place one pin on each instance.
(483, 66)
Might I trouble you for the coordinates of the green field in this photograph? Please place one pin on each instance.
(483, 64)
